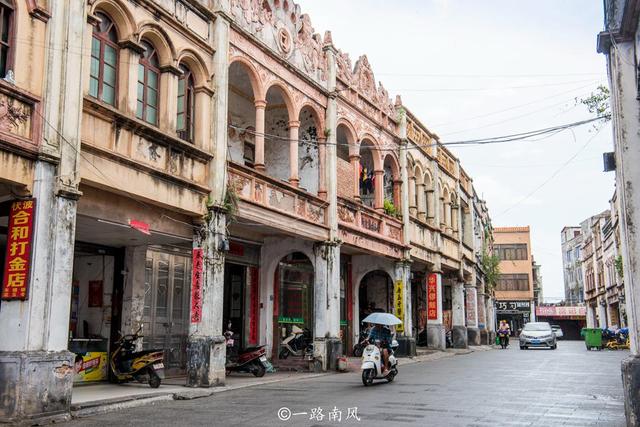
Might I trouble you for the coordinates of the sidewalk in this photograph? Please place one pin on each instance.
(94, 399)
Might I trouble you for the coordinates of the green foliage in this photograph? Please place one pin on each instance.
(390, 208)
(598, 102)
(619, 266)
(490, 267)
(231, 203)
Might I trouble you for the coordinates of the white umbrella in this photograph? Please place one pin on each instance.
(382, 319)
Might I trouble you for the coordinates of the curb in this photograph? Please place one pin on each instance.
(99, 407)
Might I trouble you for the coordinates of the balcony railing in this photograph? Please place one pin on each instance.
(365, 220)
(254, 187)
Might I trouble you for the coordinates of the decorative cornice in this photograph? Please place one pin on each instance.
(38, 12)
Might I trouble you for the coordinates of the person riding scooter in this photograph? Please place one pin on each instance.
(381, 336)
(503, 332)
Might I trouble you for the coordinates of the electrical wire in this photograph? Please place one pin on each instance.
(553, 175)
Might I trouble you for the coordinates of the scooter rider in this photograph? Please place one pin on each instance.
(382, 335)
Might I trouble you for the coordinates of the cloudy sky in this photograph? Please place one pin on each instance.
(471, 69)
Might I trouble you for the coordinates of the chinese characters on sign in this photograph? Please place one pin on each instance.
(196, 285)
(398, 304)
(432, 297)
(318, 414)
(513, 305)
(561, 311)
(470, 305)
(18, 257)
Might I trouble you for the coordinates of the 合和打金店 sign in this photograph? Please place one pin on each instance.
(432, 297)
(398, 304)
(15, 282)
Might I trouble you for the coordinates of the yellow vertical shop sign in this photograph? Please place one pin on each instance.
(398, 303)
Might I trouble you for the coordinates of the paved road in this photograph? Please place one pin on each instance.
(568, 386)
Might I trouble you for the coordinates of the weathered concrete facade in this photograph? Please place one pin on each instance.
(233, 128)
(619, 42)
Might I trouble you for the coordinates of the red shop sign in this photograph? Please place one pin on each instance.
(432, 297)
(196, 285)
(15, 282)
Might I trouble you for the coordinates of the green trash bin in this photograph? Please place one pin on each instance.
(593, 338)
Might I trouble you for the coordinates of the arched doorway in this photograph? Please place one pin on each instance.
(375, 293)
(293, 297)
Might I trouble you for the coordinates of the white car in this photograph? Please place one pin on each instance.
(557, 330)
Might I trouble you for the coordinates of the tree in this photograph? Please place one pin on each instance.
(598, 103)
(490, 267)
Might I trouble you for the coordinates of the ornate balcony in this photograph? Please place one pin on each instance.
(364, 227)
(272, 202)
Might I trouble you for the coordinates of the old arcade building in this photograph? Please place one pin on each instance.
(207, 163)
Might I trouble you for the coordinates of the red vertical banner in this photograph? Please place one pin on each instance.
(432, 297)
(196, 284)
(17, 266)
(254, 298)
(95, 293)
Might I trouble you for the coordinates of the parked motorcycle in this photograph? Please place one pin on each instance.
(298, 343)
(142, 366)
(252, 359)
(372, 363)
(616, 340)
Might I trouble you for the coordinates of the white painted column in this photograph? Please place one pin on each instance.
(259, 140)
(294, 127)
(422, 202)
(591, 317)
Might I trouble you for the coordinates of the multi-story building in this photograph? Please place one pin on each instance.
(514, 292)
(178, 165)
(571, 241)
(620, 42)
(536, 268)
(593, 269)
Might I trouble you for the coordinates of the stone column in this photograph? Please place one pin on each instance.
(459, 330)
(259, 140)
(36, 369)
(355, 164)
(482, 314)
(402, 270)
(294, 127)
(422, 203)
(455, 221)
(602, 313)
(435, 328)
(591, 316)
(322, 168)
(431, 208)
(379, 190)
(471, 314)
(206, 349)
(133, 294)
(168, 102)
(202, 129)
(447, 217)
(413, 206)
(397, 194)
(327, 344)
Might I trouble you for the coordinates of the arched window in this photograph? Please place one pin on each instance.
(6, 36)
(186, 105)
(104, 60)
(148, 76)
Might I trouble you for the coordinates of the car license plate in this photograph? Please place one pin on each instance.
(263, 358)
(157, 366)
(535, 341)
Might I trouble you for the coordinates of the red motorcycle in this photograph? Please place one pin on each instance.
(252, 359)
